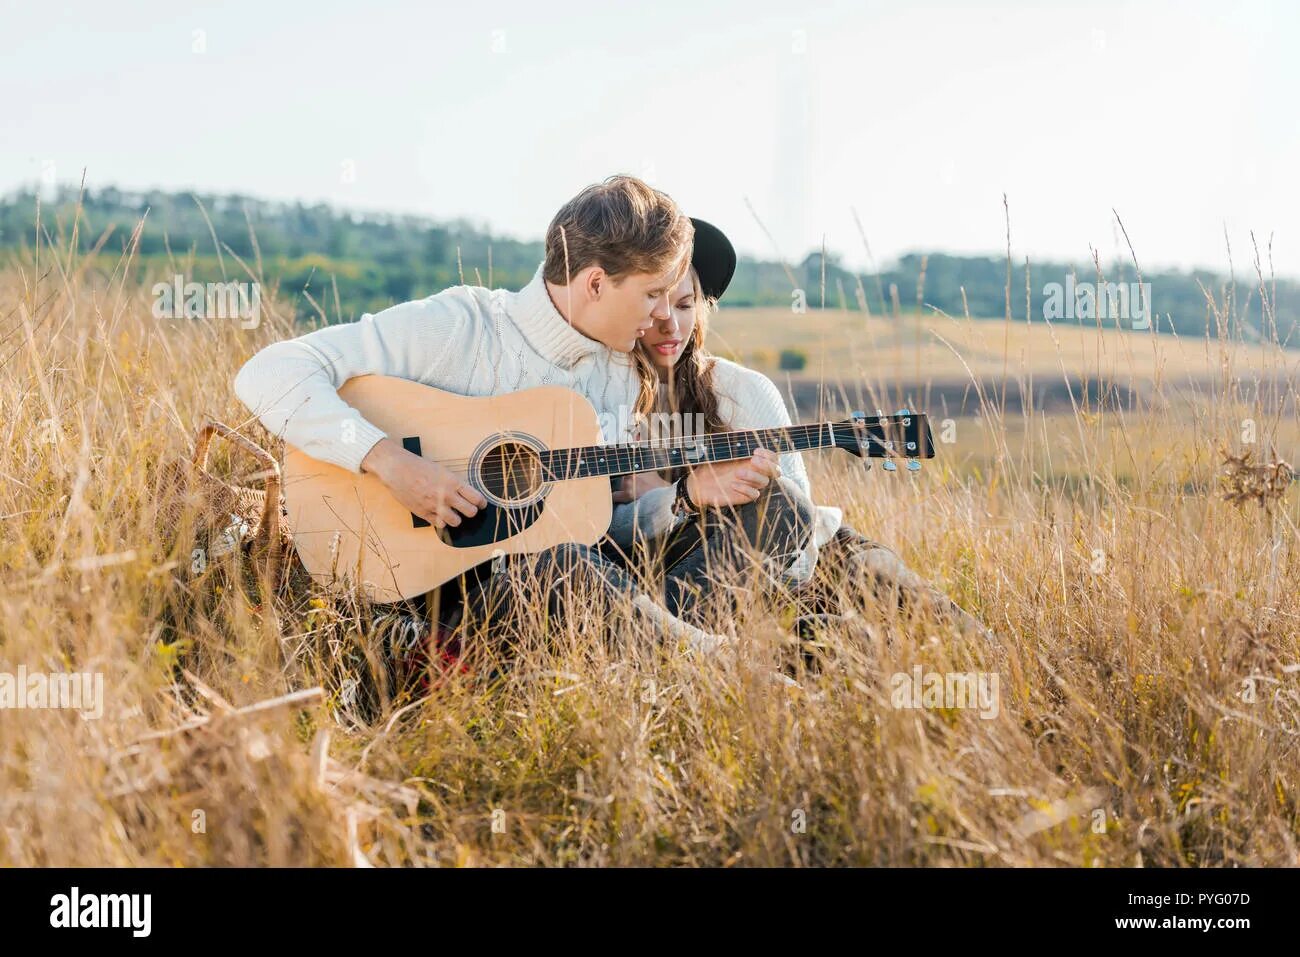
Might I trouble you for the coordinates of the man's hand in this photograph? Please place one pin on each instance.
(634, 486)
(426, 488)
(733, 483)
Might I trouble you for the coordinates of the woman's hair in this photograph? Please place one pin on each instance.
(690, 378)
(648, 378)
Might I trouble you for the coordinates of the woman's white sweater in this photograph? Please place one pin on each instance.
(747, 399)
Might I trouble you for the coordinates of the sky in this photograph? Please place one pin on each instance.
(777, 121)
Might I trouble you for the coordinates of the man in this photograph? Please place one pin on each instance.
(613, 253)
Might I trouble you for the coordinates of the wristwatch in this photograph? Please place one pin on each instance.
(682, 504)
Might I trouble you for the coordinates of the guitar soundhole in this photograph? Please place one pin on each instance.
(511, 473)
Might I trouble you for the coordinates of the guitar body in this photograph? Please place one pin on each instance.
(349, 529)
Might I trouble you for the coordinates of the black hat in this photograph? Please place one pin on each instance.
(714, 258)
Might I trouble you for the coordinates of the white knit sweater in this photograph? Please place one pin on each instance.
(747, 399)
(467, 339)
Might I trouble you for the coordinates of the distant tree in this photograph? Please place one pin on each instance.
(792, 360)
(377, 259)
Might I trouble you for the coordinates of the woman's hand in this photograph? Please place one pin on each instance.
(634, 486)
(733, 483)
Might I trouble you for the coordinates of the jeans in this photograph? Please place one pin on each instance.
(696, 570)
(852, 567)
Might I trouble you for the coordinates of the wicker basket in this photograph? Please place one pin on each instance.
(199, 511)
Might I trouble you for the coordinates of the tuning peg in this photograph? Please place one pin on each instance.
(913, 465)
(902, 412)
(859, 420)
(889, 466)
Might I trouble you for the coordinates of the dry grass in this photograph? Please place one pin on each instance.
(1149, 707)
(843, 344)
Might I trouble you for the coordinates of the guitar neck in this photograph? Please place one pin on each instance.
(630, 458)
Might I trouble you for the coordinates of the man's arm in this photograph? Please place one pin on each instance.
(292, 385)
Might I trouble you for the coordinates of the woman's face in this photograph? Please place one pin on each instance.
(665, 340)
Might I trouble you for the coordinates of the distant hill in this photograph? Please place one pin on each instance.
(375, 260)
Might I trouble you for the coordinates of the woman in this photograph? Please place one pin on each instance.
(699, 391)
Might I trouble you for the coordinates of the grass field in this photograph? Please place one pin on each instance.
(1148, 655)
(841, 343)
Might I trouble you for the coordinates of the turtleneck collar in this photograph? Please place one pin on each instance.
(546, 330)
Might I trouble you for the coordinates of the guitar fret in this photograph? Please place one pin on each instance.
(590, 461)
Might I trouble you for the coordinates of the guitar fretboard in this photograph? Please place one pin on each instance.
(629, 458)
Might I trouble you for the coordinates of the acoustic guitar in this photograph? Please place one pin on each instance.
(536, 456)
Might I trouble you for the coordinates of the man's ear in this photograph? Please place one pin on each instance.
(594, 281)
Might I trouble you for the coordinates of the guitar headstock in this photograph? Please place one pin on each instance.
(904, 435)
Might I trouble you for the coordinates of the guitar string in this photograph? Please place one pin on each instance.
(630, 457)
(623, 449)
(626, 459)
(714, 441)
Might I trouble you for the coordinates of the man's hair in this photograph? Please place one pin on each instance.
(621, 225)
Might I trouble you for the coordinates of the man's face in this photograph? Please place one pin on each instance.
(619, 310)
